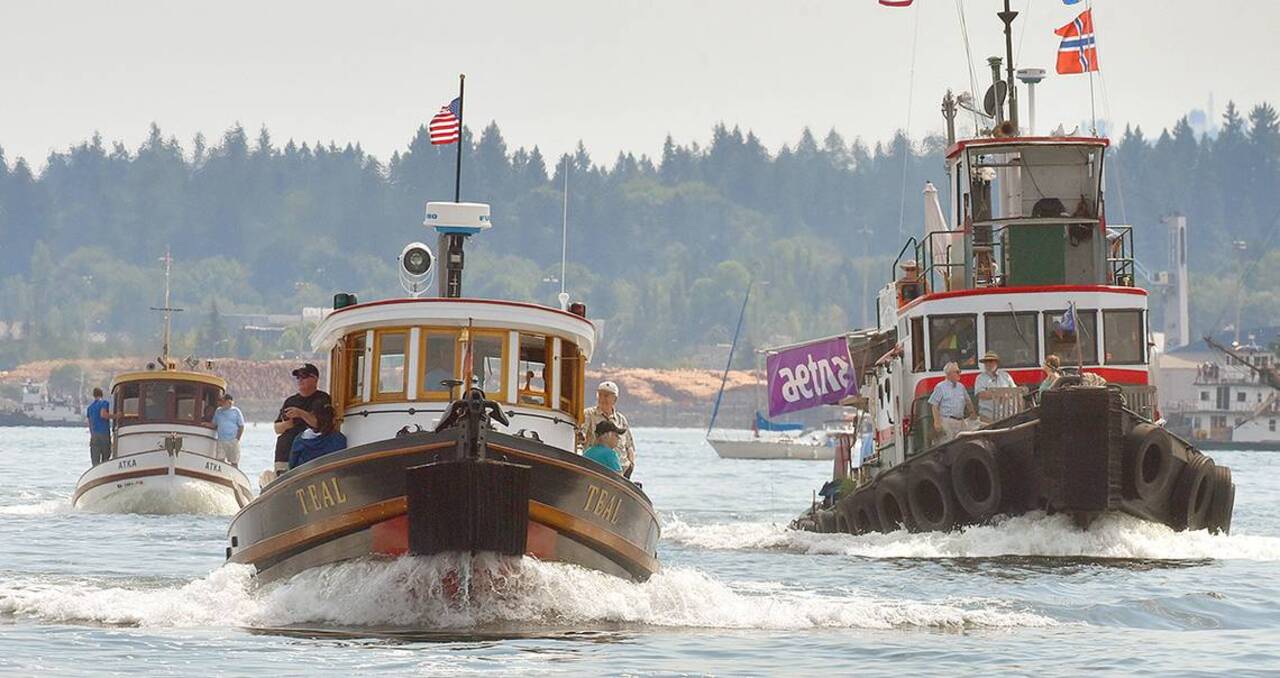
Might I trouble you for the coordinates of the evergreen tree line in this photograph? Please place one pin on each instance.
(661, 249)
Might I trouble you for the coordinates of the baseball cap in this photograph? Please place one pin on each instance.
(608, 386)
(307, 369)
(227, 396)
(607, 426)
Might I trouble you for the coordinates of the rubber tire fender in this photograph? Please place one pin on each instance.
(1193, 494)
(929, 494)
(1223, 502)
(975, 478)
(1148, 464)
(892, 505)
(865, 517)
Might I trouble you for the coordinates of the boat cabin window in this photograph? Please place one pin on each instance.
(532, 372)
(917, 344)
(1047, 181)
(489, 357)
(570, 378)
(188, 402)
(389, 358)
(953, 338)
(1059, 340)
(1013, 337)
(357, 354)
(1122, 336)
(127, 400)
(155, 401)
(439, 362)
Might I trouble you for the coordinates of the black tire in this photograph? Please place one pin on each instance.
(892, 505)
(975, 478)
(1149, 468)
(929, 494)
(865, 518)
(1193, 494)
(1223, 503)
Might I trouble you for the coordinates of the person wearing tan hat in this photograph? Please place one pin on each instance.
(606, 409)
(990, 377)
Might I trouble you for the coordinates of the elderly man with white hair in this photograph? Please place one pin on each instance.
(951, 405)
(606, 410)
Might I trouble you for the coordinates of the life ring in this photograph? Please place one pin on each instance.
(1193, 494)
(1148, 464)
(929, 494)
(892, 505)
(975, 478)
(865, 517)
(1223, 502)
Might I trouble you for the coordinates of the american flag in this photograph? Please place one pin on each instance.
(446, 126)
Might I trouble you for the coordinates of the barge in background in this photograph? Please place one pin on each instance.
(433, 469)
(1030, 269)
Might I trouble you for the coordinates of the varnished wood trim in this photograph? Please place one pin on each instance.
(561, 521)
(129, 475)
(321, 530)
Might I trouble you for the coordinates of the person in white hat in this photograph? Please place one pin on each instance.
(606, 410)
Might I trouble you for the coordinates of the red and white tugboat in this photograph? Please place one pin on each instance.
(1029, 269)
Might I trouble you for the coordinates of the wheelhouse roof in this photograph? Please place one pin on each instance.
(997, 142)
(168, 375)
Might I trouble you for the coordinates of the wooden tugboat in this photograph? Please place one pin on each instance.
(163, 447)
(1031, 255)
(431, 469)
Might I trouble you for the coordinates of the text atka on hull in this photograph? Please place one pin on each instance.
(1029, 269)
(431, 468)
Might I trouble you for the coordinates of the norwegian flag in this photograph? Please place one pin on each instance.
(1078, 52)
(446, 126)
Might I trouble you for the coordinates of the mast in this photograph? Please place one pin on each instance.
(1007, 16)
(168, 309)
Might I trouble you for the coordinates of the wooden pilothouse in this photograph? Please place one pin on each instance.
(1023, 264)
(433, 467)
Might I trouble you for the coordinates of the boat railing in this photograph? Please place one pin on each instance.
(1120, 257)
(1005, 402)
(1140, 398)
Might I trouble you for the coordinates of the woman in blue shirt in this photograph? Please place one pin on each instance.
(316, 442)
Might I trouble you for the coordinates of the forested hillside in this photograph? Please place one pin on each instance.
(660, 248)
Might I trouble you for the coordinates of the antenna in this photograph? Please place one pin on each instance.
(564, 237)
(167, 308)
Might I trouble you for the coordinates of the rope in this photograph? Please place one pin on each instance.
(906, 132)
(968, 55)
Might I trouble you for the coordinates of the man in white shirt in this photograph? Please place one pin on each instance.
(990, 377)
(950, 404)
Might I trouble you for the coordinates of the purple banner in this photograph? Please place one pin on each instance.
(807, 376)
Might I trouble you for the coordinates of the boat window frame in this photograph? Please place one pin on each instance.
(572, 394)
(204, 391)
(434, 392)
(1069, 360)
(548, 356)
(918, 347)
(1142, 333)
(375, 374)
(120, 398)
(353, 365)
(504, 338)
(1034, 317)
(934, 365)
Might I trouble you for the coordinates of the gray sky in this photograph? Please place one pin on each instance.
(615, 74)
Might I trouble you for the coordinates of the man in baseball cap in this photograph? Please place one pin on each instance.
(604, 452)
(296, 413)
(604, 410)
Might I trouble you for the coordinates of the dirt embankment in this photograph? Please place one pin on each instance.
(650, 397)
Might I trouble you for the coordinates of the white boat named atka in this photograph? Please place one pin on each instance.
(163, 448)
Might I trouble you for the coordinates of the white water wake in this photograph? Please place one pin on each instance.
(178, 496)
(1035, 534)
(421, 593)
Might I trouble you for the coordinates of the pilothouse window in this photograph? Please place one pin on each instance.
(440, 357)
(1013, 337)
(489, 355)
(1070, 346)
(391, 363)
(533, 376)
(1123, 337)
(953, 338)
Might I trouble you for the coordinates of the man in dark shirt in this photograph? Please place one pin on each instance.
(296, 413)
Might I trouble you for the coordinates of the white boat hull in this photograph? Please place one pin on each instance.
(771, 449)
(157, 482)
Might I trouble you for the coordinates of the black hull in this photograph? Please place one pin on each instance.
(361, 502)
(1080, 453)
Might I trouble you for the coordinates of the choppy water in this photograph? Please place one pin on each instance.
(85, 593)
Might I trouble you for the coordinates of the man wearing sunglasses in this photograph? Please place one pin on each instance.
(296, 413)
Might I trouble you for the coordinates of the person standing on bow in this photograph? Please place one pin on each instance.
(606, 409)
(296, 415)
(228, 422)
(951, 405)
(990, 377)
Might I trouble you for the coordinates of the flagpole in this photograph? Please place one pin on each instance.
(457, 176)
